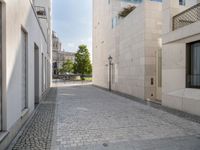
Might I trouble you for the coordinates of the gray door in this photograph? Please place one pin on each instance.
(45, 73)
(42, 72)
(36, 73)
(0, 66)
(23, 69)
(159, 75)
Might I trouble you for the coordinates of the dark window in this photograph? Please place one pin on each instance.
(55, 65)
(193, 65)
(181, 2)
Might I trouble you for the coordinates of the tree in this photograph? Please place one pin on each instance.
(82, 63)
(67, 67)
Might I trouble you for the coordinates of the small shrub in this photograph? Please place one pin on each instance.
(126, 11)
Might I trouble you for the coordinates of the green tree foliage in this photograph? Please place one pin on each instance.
(82, 63)
(67, 67)
(126, 11)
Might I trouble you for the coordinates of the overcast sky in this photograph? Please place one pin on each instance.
(72, 21)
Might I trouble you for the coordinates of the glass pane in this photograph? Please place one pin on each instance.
(181, 2)
(195, 65)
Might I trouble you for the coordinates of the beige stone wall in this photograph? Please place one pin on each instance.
(130, 54)
(153, 31)
(174, 91)
(133, 44)
(102, 40)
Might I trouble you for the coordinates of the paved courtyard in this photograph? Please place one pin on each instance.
(88, 118)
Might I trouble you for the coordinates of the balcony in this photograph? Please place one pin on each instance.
(41, 12)
(187, 17)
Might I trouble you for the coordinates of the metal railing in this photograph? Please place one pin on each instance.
(187, 17)
(41, 12)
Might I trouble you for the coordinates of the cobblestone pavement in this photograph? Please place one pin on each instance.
(37, 134)
(88, 118)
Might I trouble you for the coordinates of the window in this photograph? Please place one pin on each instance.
(181, 2)
(134, 1)
(139, 1)
(114, 21)
(41, 12)
(193, 65)
(157, 0)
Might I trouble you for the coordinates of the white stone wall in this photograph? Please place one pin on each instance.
(174, 91)
(20, 14)
(153, 31)
(133, 44)
(102, 40)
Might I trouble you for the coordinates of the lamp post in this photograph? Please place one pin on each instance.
(110, 67)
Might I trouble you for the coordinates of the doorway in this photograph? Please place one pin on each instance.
(42, 70)
(23, 80)
(0, 66)
(36, 74)
(159, 75)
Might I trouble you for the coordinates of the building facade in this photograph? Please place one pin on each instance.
(25, 51)
(59, 56)
(133, 42)
(154, 50)
(181, 55)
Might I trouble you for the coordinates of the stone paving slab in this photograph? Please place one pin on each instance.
(93, 119)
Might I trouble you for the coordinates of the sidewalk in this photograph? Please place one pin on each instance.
(37, 133)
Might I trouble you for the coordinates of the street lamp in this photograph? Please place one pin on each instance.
(110, 67)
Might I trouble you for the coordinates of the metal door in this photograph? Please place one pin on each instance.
(0, 66)
(23, 70)
(159, 75)
(36, 73)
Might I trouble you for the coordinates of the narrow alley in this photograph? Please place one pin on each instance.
(86, 117)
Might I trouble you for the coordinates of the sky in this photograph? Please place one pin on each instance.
(72, 21)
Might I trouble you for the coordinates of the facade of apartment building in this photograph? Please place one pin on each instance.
(59, 56)
(134, 44)
(25, 48)
(181, 55)
(154, 50)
